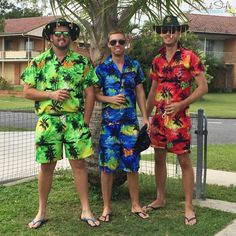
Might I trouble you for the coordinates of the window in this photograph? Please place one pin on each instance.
(8, 45)
(29, 45)
(209, 45)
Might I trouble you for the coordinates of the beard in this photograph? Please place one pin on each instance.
(63, 46)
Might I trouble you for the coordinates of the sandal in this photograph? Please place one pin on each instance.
(141, 214)
(105, 218)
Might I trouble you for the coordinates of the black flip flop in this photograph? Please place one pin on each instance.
(151, 208)
(87, 220)
(39, 222)
(140, 214)
(105, 218)
(190, 219)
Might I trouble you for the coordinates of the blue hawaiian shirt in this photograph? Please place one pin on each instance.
(113, 82)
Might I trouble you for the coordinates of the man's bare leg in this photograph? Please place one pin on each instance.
(106, 184)
(81, 183)
(134, 195)
(44, 187)
(188, 183)
(160, 177)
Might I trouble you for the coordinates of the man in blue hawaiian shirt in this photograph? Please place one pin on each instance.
(119, 86)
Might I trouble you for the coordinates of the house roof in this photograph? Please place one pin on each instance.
(212, 24)
(24, 25)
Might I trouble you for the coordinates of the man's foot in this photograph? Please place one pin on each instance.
(105, 218)
(106, 215)
(190, 220)
(92, 222)
(87, 217)
(143, 215)
(137, 210)
(189, 216)
(155, 205)
(36, 223)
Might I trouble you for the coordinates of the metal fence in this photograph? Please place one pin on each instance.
(17, 155)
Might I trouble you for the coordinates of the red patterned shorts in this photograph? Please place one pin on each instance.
(171, 133)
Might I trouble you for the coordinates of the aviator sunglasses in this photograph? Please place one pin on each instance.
(60, 33)
(119, 41)
(170, 29)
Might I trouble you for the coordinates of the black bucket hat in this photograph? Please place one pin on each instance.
(143, 141)
(73, 28)
(171, 21)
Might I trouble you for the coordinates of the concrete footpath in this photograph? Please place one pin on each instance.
(223, 178)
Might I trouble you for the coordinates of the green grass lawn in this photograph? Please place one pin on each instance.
(219, 157)
(13, 103)
(19, 203)
(222, 105)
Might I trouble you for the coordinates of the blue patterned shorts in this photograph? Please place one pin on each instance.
(117, 148)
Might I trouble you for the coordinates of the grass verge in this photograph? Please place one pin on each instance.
(219, 157)
(219, 105)
(13, 103)
(19, 203)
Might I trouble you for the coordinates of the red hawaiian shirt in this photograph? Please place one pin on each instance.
(174, 78)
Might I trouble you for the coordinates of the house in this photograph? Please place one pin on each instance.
(217, 35)
(20, 42)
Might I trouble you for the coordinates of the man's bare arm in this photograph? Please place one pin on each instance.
(151, 98)
(36, 95)
(201, 89)
(89, 103)
(117, 99)
(141, 100)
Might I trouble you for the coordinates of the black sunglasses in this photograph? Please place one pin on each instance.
(170, 29)
(60, 33)
(119, 41)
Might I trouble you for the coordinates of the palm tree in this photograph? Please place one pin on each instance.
(98, 17)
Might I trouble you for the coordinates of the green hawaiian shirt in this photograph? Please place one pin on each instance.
(46, 73)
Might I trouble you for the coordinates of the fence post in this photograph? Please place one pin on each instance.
(200, 133)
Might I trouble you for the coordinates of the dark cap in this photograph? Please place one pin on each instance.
(170, 21)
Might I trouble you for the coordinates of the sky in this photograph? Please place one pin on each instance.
(214, 7)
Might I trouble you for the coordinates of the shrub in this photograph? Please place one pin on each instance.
(4, 84)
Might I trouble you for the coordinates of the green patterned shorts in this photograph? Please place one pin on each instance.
(54, 132)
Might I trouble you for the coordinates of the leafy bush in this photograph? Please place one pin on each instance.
(4, 84)
(215, 69)
(144, 49)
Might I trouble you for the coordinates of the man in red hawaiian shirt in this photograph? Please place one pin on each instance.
(172, 73)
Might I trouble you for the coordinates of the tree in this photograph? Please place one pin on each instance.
(101, 16)
(9, 10)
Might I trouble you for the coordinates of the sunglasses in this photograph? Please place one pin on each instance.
(119, 41)
(60, 33)
(170, 29)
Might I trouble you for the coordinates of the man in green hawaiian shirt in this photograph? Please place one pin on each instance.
(60, 82)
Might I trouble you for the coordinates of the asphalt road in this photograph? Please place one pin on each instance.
(220, 131)
(17, 148)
